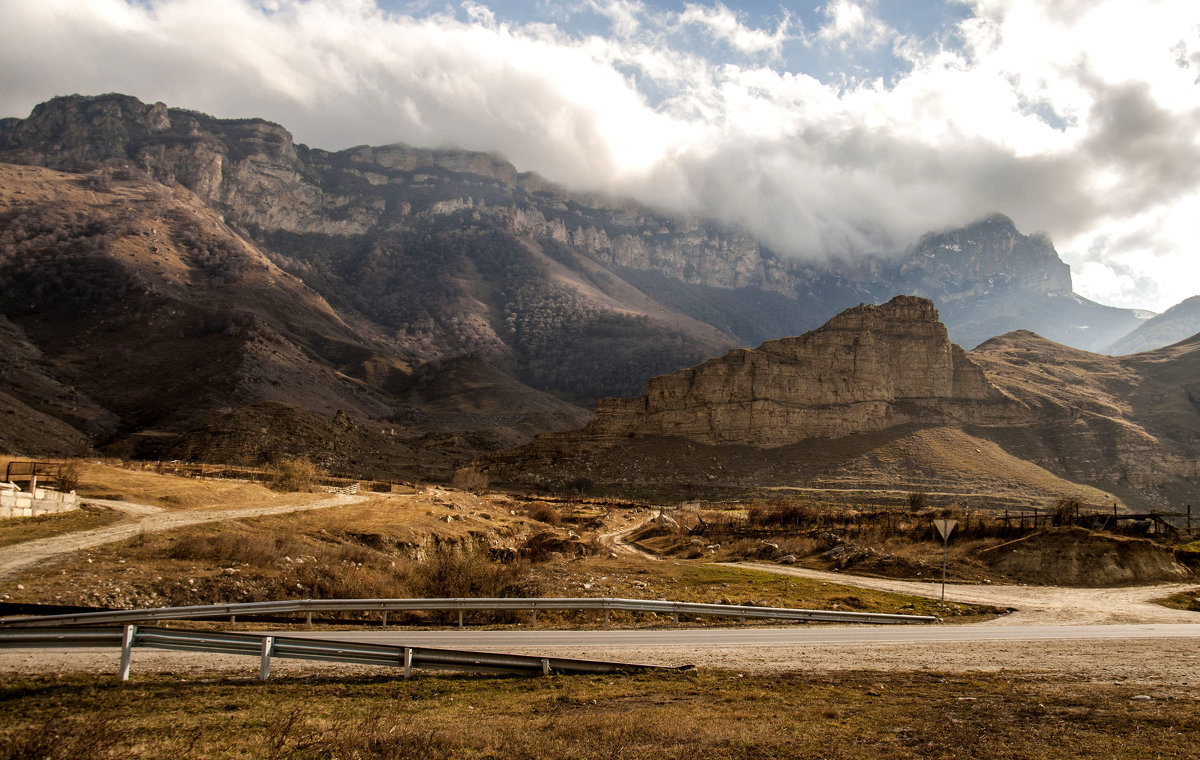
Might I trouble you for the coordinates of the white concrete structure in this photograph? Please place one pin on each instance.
(37, 501)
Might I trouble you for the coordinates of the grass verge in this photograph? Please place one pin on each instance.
(847, 716)
(698, 581)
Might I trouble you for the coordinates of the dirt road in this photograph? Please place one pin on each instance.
(145, 519)
(1034, 605)
(616, 541)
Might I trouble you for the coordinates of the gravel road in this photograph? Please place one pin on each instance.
(144, 519)
(1060, 605)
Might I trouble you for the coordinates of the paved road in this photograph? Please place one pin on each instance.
(759, 637)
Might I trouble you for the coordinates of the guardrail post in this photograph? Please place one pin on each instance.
(606, 617)
(310, 621)
(385, 618)
(408, 662)
(676, 616)
(460, 618)
(535, 618)
(264, 667)
(546, 667)
(127, 637)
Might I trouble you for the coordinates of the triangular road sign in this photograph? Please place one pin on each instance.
(945, 527)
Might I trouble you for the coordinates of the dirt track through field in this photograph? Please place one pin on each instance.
(617, 540)
(146, 519)
(1062, 605)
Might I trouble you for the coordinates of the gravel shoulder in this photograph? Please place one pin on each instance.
(1153, 662)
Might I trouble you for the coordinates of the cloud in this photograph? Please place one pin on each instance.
(722, 24)
(624, 15)
(1078, 119)
(854, 24)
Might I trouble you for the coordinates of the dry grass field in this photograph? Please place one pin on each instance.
(844, 716)
(390, 545)
(16, 531)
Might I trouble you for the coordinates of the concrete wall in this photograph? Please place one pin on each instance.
(41, 501)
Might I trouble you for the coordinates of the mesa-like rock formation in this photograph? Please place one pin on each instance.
(879, 401)
(869, 368)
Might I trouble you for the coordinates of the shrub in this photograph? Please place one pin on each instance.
(69, 476)
(1065, 511)
(292, 474)
(918, 500)
(545, 513)
(787, 515)
(468, 571)
(470, 478)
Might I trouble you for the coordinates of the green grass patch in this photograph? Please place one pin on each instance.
(1184, 600)
(847, 716)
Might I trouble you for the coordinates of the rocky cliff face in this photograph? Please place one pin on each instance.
(880, 396)
(131, 315)
(869, 368)
(708, 287)
(984, 257)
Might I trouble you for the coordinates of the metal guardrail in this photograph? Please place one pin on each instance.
(266, 647)
(461, 605)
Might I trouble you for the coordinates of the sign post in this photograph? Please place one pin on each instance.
(945, 528)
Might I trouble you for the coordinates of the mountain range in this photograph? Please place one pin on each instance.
(176, 285)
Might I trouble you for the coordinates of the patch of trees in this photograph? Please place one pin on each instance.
(58, 256)
(428, 286)
(219, 258)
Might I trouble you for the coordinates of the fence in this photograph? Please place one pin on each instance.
(266, 647)
(604, 604)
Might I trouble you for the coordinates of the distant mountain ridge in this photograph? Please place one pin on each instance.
(399, 289)
(1177, 323)
(326, 216)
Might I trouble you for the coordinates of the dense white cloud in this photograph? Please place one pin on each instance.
(1078, 119)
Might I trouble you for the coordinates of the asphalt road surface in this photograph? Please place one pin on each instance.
(759, 637)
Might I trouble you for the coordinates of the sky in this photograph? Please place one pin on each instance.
(835, 128)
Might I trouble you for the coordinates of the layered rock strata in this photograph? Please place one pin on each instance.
(869, 368)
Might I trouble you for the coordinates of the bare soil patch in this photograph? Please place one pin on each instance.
(1080, 557)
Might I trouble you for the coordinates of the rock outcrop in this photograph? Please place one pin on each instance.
(869, 368)
(879, 398)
